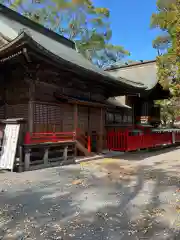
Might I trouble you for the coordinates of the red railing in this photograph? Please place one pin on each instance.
(35, 138)
(124, 141)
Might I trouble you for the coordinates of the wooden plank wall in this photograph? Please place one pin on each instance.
(13, 94)
(89, 119)
(95, 117)
(2, 112)
(83, 122)
(16, 110)
(68, 117)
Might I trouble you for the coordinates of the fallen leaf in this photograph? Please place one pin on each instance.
(178, 208)
(77, 182)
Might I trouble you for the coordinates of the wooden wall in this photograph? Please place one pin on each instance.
(83, 118)
(14, 94)
(95, 118)
(48, 114)
(89, 119)
(60, 117)
(16, 110)
(68, 118)
(52, 115)
(2, 112)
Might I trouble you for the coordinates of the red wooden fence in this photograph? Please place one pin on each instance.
(124, 141)
(116, 141)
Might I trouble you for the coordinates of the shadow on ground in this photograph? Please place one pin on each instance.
(142, 154)
(57, 206)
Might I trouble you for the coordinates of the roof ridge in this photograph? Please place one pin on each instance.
(132, 82)
(130, 65)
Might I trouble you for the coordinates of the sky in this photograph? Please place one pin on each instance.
(130, 24)
(130, 21)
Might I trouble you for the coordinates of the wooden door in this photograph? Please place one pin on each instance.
(83, 118)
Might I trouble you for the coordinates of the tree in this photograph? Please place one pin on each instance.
(169, 111)
(167, 19)
(78, 20)
(168, 44)
(110, 55)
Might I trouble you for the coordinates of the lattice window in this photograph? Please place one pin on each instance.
(118, 118)
(46, 113)
(130, 119)
(109, 117)
(125, 118)
(48, 117)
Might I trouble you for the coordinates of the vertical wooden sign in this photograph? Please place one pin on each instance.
(9, 145)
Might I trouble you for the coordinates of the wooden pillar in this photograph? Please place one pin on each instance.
(75, 117)
(135, 103)
(89, 119)
(65, 154)
(101, 131)
(31, 105)
(32, 70)
(30, 116)
(145, 111)
(4, 82)
(45, 157)
(27, 159)
(75, 123)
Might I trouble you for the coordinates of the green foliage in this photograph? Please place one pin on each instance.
(169, 110)
(78, 20)
(167, 19)
(168, 44)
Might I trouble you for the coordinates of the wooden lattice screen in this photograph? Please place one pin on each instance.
(52, 117)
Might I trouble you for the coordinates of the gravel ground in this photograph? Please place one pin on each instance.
(134, 197)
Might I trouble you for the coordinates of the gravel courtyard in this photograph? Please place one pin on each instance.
(134, 197)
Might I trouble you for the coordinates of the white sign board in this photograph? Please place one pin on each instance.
(9, 145)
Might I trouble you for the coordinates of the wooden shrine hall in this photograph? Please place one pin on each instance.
(45, 81)
(144, 110)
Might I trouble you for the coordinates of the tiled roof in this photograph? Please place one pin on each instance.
(139, 73)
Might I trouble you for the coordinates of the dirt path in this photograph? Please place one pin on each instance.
(134, 197)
